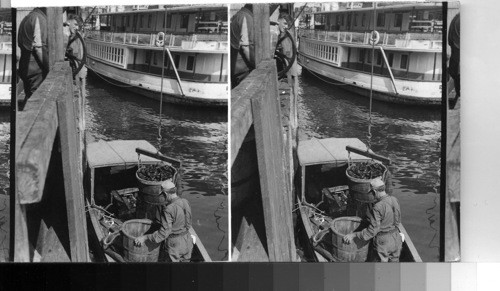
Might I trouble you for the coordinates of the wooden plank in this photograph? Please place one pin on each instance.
(73, 185)
(270, 155)
(36, 131)
(21, 246)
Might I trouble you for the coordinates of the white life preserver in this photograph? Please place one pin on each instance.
(374, 38)
(160, 38)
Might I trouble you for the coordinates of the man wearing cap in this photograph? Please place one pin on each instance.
(384, 218)
(174, 219)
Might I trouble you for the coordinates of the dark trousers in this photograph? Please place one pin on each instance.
(177, 248)
(387, 246)
(32, 72)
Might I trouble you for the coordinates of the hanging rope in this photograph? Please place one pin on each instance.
(159, 138)
(369, 135)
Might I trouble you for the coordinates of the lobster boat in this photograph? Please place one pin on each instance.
(113, 202)
(328, 205)
(179, 53)
(393, 49)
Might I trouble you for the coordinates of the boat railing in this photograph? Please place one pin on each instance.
(398, 40)
(186, 41)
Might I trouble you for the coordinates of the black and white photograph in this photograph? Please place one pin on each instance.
(338, 108)
(121, 134)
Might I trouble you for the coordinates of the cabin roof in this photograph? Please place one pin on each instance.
(186, 8)
(397, 7)
(116, 153)
(328, 151)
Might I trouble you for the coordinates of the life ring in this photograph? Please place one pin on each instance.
(160, 38)
(374, 38)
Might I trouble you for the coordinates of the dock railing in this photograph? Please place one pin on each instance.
(397, 40)
(184, 41)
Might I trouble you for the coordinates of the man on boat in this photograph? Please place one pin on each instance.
(174, 219)
(242, 45)
(32, 40)
(384, 218)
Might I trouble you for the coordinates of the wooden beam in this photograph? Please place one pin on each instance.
(270, 154)
(73, 186)
(36, 130)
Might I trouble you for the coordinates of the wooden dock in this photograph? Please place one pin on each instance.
(263, 225)
(49, 212)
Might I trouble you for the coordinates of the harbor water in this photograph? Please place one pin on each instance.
(409, 135)
(196, 136)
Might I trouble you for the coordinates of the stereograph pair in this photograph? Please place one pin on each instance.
(290, 132)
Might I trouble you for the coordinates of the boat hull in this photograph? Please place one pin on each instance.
(408, 92)
(148, 85)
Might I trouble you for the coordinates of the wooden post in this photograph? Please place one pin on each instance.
(276, 195)
(262, 32)
(73, 185)
(55, 34)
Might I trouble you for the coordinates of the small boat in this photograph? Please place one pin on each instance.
(180, 51)
(323, 194)
(407, 43)
(111, 192)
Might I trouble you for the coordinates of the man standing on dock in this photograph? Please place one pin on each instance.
(384, 218)
(242, 44)
(32, 40)
(174, 219)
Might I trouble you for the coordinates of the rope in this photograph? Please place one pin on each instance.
(369, 135)
(159, 138)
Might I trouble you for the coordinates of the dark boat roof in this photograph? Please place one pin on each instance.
(172, 9)
(329, 151)
(117, 153)
(396, 7)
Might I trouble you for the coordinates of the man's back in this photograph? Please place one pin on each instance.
(32, 30)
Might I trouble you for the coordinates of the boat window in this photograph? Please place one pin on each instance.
(368, 56)
(398, 21)
(177, 60)
(148, 57)
(381, 19)
(404, 62)
(363, 20)
(190, 63)
(362, 55)
(166, 61)
(150, 18)
(355, 19)
(342, 19)
(155, 62)
(390, 58)
(185, 20)
(379, 58)
(128, 20)
(140, 20)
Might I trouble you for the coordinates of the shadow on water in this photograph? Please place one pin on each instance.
(409, 135)
(195, 135)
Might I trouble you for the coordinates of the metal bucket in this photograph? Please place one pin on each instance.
(357, 250)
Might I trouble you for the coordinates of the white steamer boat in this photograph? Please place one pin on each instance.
(407, 67)
(128, 50)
